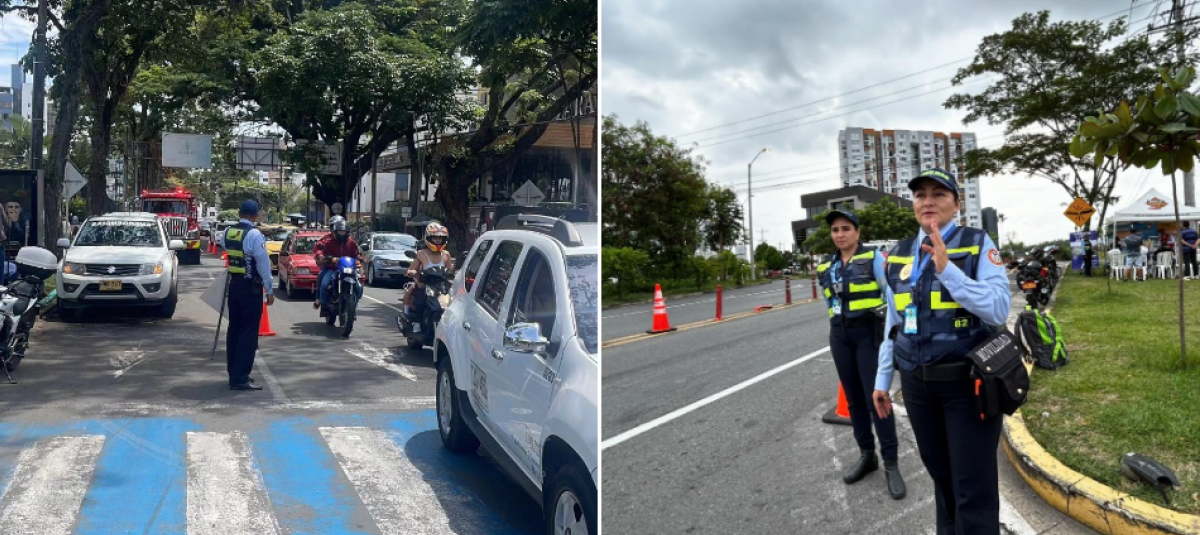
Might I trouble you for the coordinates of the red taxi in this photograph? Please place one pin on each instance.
(297, 268)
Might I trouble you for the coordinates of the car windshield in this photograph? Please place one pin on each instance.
(165, 207)
(305, 244)
(393, 243)
(277, 234)
(583, 276)
(120, 233)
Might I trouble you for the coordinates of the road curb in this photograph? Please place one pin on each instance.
(1082, 498)
(688, 326)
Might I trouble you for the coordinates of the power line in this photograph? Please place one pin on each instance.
(905, 77)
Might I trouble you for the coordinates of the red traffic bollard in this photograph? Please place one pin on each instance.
(814, 284)
(787, 289)
(718, 302)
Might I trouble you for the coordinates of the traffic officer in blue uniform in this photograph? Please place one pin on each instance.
(945, 296)
(249, 277)
(853, 281)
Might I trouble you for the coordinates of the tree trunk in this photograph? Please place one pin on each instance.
(97, 170)
(456, 203)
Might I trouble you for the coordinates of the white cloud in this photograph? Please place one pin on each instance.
(684, 66)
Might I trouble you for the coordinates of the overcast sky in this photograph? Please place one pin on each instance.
(689, 65)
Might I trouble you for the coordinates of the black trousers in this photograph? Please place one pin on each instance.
(1189, 259)
(959, 453)
(241, 340)
(856, 357)
(1087, 264)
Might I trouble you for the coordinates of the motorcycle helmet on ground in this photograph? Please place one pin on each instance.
(436, 237)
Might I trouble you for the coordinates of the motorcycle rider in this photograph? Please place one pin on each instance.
(436, 238)
(326, 252)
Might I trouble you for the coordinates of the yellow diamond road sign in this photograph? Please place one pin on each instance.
(1079, 211)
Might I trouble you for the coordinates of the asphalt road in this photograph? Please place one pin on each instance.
(121, 423)
(626, 321)
(717, 429)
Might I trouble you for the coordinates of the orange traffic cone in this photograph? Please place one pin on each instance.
(264, 325)
(225, 257)
(841, 413)
(661, 323)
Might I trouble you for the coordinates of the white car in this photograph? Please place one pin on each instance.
(517, 354)
(119, 259)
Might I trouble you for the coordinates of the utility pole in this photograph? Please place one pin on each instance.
(750, 210)
(36, 162)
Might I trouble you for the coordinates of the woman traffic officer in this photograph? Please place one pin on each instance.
(853, 280)
(947, 294)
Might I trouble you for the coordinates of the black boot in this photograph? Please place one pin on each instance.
(866, 464)
(895, 482)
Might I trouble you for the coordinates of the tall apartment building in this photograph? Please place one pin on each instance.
(886, 160)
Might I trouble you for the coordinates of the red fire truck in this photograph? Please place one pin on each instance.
(180, 215)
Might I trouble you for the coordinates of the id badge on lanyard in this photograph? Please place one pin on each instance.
(836, 306)
(910, 319)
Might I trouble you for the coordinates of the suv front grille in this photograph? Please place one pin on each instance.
(118, 270)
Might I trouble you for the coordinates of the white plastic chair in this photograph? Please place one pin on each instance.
(1164, 265)
(1116, 265)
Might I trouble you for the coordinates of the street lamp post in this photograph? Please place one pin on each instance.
(750, 211)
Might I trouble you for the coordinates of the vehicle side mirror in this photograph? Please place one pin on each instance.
(177, 245)
(410, 253)
(64, 243)
(525, 338)
(364, 247)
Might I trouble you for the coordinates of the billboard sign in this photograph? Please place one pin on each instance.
(190, 151)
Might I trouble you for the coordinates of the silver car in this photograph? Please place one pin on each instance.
(387, 256)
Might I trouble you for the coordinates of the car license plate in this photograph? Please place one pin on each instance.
(1028, 285)
(110, 286)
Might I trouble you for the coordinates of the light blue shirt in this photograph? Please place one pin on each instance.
(254, 245)
(835, 274)
(986, 297)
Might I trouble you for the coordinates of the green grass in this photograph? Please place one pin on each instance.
(609, 297)
(1125, 389)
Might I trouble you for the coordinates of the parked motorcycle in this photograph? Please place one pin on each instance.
(418, 330)
(20, 303)
(1034, 280)
(342, 297)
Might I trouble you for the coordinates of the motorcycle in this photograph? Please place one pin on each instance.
(342, 297)
(1034, 280)
(419, 329)
(20, 302)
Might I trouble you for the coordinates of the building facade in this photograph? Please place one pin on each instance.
(847, 198)
(991, 222)
(885, 160)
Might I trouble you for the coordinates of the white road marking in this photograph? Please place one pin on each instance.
(397, 309)
(47, 488)
(268, 377)
(397, 494)
(126, 361)
(382, 358)
(928, 500)
(622, 437)
(225, 493)
(142, 409)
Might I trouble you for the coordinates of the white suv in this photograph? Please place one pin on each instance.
(517, 354)
(119, 259)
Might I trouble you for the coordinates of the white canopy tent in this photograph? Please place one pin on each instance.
(1153, 207)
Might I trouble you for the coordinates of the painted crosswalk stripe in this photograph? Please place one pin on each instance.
(397, 494)
(225, 493)
(48, 485)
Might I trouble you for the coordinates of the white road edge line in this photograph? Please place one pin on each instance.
(397, 309)
(622, 437)
(272, 384)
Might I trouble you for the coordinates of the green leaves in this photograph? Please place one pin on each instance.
(1190, 103)
(1166, 106)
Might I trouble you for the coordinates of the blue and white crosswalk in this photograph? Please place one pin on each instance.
(365, 474)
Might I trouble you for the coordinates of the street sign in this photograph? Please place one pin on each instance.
(189, 151)
(336, 208)
(1079, 212)
(528, 194)
(73, 182)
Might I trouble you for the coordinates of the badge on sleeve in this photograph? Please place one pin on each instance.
(910, 319)
(994, 256)
(905, 272)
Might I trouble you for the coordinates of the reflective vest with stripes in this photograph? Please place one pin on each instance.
(945, 330)
(240, 263)
(860, 292)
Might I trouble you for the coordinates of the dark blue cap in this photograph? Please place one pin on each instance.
(249, 208)
(941, 176)
(834, 214)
